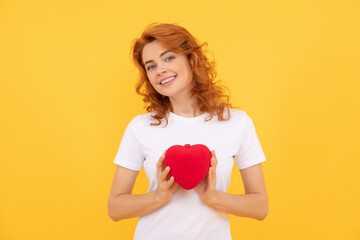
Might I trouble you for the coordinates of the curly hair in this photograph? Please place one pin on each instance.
(210, 96)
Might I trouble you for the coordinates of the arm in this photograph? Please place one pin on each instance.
(252, 204)
(122, 204)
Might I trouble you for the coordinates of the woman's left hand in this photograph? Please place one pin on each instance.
(206, 188)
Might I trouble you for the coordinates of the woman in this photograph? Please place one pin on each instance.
(185, 106)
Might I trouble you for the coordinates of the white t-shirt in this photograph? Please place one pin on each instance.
(185, 217)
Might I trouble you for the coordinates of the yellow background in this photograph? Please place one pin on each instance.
(67, 94)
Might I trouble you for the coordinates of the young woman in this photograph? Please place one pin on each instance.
(185, 106)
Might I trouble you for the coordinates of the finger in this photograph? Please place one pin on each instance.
(165, 173)
(206, 178)
(212, 178)
(161, 160)
(174, 185)
(213, 154)
(214, 162)
(210, 175)
(160, 163)
(170, 182)
(159, 167)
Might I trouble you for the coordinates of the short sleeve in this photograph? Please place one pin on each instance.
(129, 154)
(250, 152)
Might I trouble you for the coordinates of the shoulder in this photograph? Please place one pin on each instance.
(237, 115)
(141, 120)
(239, 119)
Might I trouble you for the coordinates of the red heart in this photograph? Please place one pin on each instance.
(188, 164)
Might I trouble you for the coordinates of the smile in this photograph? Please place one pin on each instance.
(168, 80)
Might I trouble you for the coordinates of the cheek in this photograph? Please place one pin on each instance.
(151, 79)
(181, 68)
(187, 72)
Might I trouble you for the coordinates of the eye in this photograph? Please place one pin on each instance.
(150, 67)
(169, 58)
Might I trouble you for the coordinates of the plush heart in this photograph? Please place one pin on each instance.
(188, 164)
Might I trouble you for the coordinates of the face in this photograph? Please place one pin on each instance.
(168, 72)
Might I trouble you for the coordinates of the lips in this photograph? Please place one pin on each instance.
(167, 79)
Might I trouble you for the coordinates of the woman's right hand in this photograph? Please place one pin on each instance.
(166, 184)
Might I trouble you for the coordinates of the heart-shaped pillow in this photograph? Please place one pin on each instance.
(188, 164)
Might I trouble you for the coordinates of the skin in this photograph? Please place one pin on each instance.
(170, 64)
(123, 204)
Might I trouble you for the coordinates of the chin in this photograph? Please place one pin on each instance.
(165, 93)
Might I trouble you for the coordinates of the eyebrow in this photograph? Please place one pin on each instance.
(162, 54)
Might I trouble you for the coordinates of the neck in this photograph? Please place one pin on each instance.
(185, 106)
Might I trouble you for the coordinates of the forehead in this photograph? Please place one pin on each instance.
(153, 50)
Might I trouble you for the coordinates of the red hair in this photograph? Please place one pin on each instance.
(211, 97)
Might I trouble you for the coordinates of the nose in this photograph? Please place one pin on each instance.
(160, 70)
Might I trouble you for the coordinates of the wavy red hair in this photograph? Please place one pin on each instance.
(211, 97)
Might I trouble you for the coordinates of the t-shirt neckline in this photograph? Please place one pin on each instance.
(187, 119)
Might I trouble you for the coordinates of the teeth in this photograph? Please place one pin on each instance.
(167, 80)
